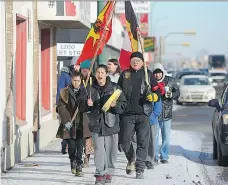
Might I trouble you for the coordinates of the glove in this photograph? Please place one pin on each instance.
(152, 97)
(168, 94)
(68, 126)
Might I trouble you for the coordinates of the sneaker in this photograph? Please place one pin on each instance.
(130, 168)
(73, 167)
(100, 180)
(108, 178)
(79, 172)
(164, 161)
(139, 175)
(149, 165)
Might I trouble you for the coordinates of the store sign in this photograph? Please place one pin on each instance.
(149, 43)
(138, 6)
(69, 49)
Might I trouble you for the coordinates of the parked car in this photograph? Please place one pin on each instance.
(195, 89)
(218, 78)
(220, 128)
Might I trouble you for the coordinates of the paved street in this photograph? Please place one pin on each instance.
(190, 160)
(198, 119)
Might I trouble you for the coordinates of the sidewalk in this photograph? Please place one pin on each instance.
(50, 167)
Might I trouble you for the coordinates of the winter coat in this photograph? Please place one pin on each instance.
(157, 109)
(105, 123)
(67, 105)
(167, 103)
(64, 81)
(126, 84)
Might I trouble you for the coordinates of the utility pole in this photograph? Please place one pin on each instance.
(161, 49)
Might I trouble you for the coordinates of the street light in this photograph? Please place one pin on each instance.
(190, 33)
(185, 44)
(162, 41)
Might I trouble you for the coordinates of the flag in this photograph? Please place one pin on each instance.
(95, 33)
(130, 43)
(125, 53)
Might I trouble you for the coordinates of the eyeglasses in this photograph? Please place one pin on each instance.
(135, 61)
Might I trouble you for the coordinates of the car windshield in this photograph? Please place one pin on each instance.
(196, 81)
(180, 75)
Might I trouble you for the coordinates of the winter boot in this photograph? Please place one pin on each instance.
(79, 172)
(73, 167)
(149, 165)
(130, 168)
(139, 175)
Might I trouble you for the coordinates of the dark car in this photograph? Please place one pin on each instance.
(220, 128)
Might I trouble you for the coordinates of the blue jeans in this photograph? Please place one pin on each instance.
(165, 127)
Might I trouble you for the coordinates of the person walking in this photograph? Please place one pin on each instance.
(135, 118)
(88, 143)
(64, 81)
(104, 126)
(157, 109)
(71, 98)
(165, 119)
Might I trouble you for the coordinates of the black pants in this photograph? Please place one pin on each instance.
(75, 148)
(128, 126)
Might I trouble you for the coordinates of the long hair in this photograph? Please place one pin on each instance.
(116, 62)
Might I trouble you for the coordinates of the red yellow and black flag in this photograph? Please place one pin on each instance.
(94, 36)
(132, 25)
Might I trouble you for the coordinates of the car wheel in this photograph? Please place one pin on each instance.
(222, 160)
(215, 154)
(219, 155)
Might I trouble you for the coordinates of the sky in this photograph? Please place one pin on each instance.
(208, 19)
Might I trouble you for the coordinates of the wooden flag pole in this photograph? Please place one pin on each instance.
(144, 62)
(99, 42)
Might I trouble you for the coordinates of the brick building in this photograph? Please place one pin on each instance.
(28, 72)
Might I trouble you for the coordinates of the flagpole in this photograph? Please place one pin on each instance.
(144, 62)
(99, 42)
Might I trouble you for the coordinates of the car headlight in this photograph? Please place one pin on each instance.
(225, 119)
(211, 91)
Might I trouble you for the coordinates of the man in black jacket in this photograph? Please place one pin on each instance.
(165, 120)
(136, 115)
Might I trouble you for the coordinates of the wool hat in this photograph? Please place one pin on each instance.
(138, 55)
(85, 64)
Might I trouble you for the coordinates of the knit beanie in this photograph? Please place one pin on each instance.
(138, 55)
(85, 64)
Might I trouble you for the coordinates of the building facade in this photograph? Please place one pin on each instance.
(28, 72)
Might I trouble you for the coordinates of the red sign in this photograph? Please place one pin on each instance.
(143, 24)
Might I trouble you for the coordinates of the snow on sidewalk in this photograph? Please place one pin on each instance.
(51, 167)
